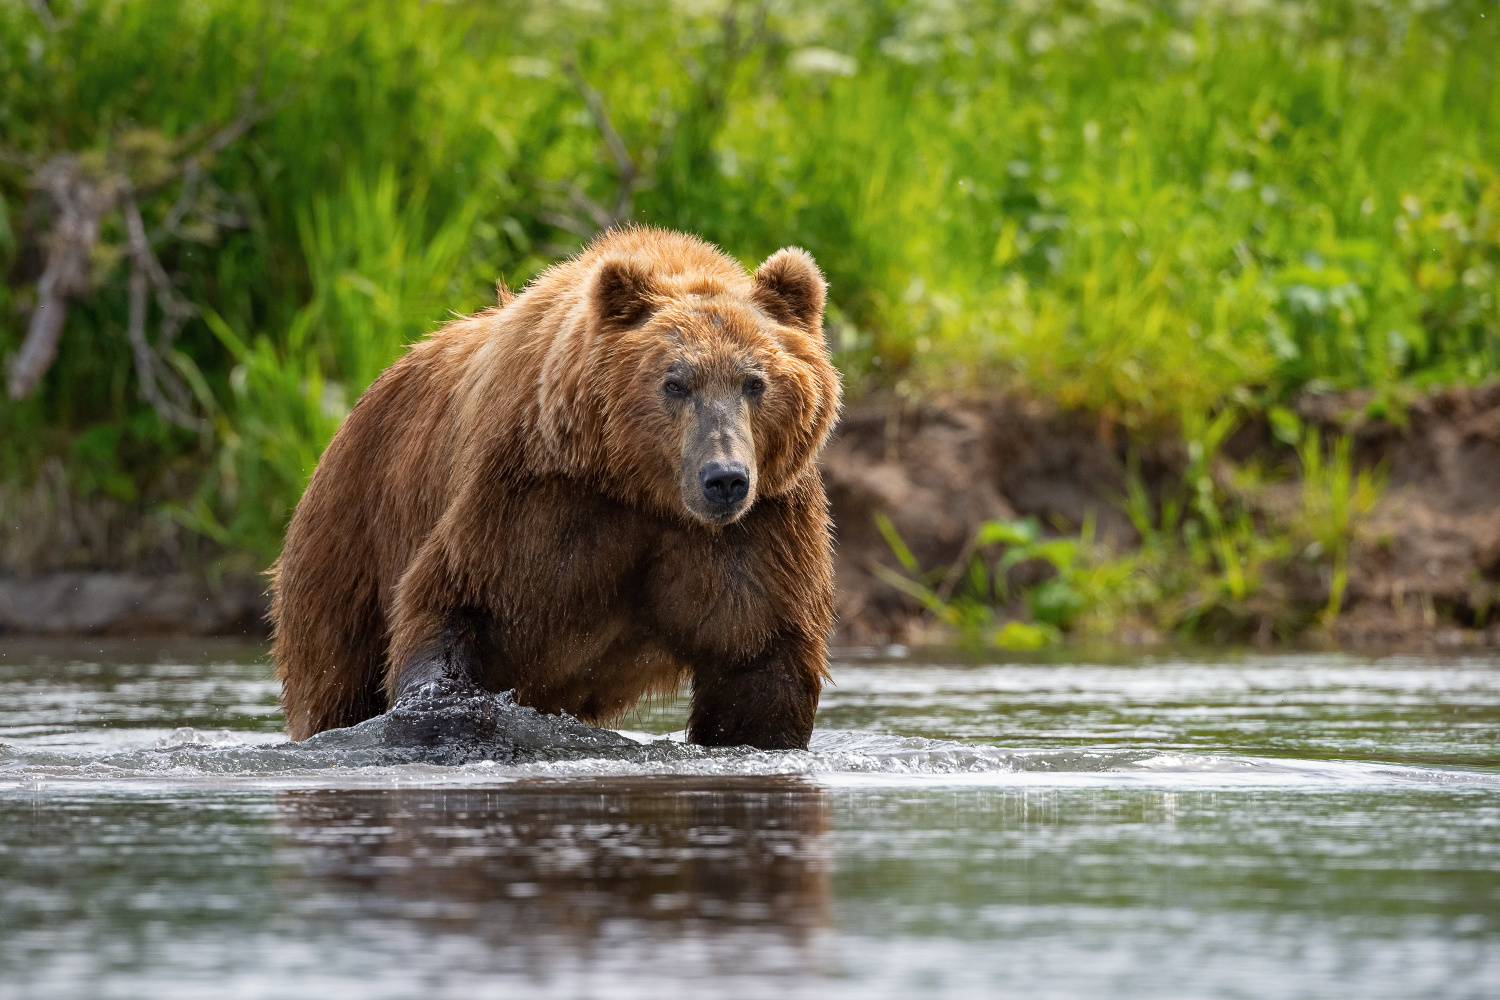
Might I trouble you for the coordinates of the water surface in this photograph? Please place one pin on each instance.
(1218, 826)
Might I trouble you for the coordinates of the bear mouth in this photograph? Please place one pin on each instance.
(716, 514)
(720, 514)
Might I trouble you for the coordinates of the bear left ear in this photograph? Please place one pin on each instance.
(790, 287)
(623, 293)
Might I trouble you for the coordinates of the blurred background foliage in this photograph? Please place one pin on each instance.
(1149, 210)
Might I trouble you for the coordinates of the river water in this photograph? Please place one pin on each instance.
(1215, 825)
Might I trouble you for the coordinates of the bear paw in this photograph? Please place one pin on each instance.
(448, 722)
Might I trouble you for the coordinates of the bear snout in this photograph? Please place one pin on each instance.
(724, 484)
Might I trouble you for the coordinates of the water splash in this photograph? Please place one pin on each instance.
(488, 738)
(188, 736)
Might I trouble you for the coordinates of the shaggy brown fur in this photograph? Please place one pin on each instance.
(516, 503)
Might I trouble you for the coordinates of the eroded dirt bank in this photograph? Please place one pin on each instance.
(1424, 566)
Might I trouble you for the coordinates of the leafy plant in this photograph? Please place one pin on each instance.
(1079, 580)
(374, 293)
(1335, 498)
(1210, 558)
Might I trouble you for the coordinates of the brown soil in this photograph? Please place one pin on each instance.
(1423, 573)
(938, 470)
(1427, 562)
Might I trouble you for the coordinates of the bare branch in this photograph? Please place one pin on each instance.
(81, 203)
(249, 117)
(135, 328)
(599, 111)
(580, 199)
(191, 173)
(636, 175)
(157, 380)
(16, 158)
(39, 349)
(194, 162)
(595, 217)
(82, 198)
(628, 169)
(44, 14)
(50, 20)
(669, 121)
(566, 223)
(557, 249)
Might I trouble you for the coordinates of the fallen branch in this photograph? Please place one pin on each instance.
(82, 196)
(81, 202)
(161, 387)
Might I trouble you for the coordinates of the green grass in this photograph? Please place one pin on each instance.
(1146, 210)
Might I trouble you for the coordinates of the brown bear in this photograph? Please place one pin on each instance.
(596, 490)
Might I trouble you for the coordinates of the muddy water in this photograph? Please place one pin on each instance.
(1222, 826)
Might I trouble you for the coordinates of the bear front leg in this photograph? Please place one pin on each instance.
(767, 702)
(449, 662)
(435, 694)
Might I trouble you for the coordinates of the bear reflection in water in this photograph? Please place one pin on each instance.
(543, 864)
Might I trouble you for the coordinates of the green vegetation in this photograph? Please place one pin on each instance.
(1216, 557)
(1171, 214)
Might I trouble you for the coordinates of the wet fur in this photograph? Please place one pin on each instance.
(506, 501)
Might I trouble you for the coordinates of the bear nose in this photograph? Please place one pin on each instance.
(724, 482)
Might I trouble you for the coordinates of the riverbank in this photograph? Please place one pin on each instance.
(1423, 564)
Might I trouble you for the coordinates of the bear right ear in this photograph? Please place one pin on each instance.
(623, 293)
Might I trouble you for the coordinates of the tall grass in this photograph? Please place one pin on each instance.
(375, 289)
(1144, 209)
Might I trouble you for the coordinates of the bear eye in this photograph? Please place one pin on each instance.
(755, 385)
(676, 389)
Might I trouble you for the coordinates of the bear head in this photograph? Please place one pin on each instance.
(710, 388)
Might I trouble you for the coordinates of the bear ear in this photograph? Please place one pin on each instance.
(790, 287)
(623, 293)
